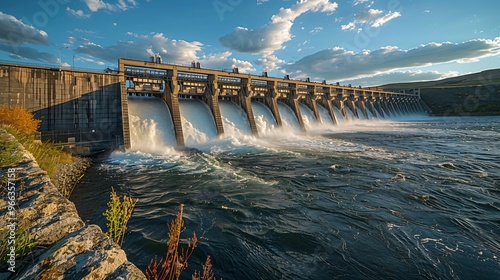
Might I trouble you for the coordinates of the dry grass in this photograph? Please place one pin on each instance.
(47, 155)
(23, 125)
(8, 150)
(175, 262)
(208, 274)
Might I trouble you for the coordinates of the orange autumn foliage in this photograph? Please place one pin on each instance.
(19, 118)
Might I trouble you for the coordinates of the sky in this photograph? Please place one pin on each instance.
(358, 42)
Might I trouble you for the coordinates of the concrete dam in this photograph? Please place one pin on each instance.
(88, 111)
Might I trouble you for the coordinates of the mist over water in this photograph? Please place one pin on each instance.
(408, 198)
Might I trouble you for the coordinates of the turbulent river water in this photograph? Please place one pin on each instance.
(401, 198)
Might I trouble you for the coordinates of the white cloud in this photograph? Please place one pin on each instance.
(14, 34)
(89, 32)
(316, 30)
(120, 5)
(372, 17)
(349, 26)
(358, 2)
(386, 18)
(243, 66)
(271, 37)
(400, 77)
(89, 60)
(270, 62)
(71, 40)
(340, 64)
(20, 52)
(266, 39)
(14, 31)
(177, 51)
(304, 6)
(224, 61)
(260, 2)
(173, 51)
(77, 13)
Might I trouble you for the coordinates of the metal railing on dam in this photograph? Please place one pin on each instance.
(171, 82)
(90, 108)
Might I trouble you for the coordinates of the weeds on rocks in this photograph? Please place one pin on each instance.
(8, 150)
(117, 215)
(15, 243)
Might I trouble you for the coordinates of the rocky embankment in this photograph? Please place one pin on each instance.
(65, 246)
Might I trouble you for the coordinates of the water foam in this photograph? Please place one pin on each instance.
(234, 119)
(326, 119)
(307, 116)
(288, 117)
(197, 122)
(263, 118)
(151, 127)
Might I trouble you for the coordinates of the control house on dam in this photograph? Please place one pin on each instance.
(87, 111)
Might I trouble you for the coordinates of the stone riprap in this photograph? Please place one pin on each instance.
(65, 246)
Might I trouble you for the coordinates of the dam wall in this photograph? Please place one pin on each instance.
(82, 110)
(87, 111)
(173, 82)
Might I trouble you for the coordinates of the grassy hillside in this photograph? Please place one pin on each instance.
(472, 94)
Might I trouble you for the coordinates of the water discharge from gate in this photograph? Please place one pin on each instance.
(151, 126)
(152, 129)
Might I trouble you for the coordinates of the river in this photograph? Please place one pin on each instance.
(412, 197)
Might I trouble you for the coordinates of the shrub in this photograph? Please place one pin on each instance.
(19, 118)
(118, 214)
(174, 263)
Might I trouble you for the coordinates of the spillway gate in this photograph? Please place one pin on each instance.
(171, 82)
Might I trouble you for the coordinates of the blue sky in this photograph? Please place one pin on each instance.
(361, 42)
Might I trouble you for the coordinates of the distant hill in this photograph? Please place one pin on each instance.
(472, 94)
